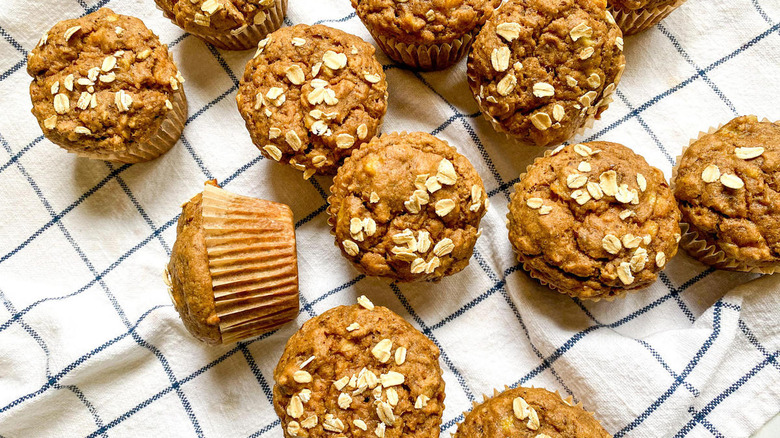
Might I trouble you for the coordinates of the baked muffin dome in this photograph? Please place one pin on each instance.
(727, 184)
(104, 87)
(311, 96)
(407, 207)
(593, 220)
(543, 69)
(529, 413)
(359, 370)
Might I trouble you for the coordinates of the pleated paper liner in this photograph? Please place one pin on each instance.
(160, 143)
(253, 263)
(244, 39)
(474, 404)
(697, 245)
(425, 57)
(633, 22)
(533, 274)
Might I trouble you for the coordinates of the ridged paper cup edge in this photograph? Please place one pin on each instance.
(425, 57)
(633, 22)
(254, 279)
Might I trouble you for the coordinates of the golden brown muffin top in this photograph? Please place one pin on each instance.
(311, 96)
(101, 82)
(407, 206)
(190, 277)
(728, 189)
(540, 68)
(529, 413)
(594, 220)
(359, 371)
(424, 22)
(633, 5)
(217, 17)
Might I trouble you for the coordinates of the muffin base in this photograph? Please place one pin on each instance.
(634, 22)
(160, 143)
(697, 245)
(425, 57)
(253, 264)
(247, 38)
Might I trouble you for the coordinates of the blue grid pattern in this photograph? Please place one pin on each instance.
(682, 291)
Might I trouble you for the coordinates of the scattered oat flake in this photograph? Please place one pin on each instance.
(365, 302)
(748, 153)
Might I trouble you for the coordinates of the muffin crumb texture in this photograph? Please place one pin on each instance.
(529, 413)
(312, 95)
(408, 207)
(728, 189)
(542, 69)
(593, 220)
(359, 370)
(102, 84)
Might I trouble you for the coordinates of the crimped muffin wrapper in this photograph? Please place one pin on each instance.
(532, 274)
(633, 22)
(158, 144)
(248, 37)
(252, 261)
(425, 57)
(697, 246)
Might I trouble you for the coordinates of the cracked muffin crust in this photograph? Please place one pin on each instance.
(312, 95)
(424, 34)
(529, 413)
(593, 220)
(727, 185)
(233, 272)
(105, 87)
(543, 69)
(407, 207)
(359, 371)
(228, 24)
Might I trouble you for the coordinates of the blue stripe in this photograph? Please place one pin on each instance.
(138, 207)
(427, 331)
(698, 416)
(690, 61)
(688, 369)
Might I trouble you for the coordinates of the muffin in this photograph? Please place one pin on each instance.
(593, 220)
(542, 70)
(529, 413)
(727, 184)
(634, 16)
(407, 207)
(424, 34)
(312, 95)
(359, 371)
(104, 87)
(226, 24)
(233, 272)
